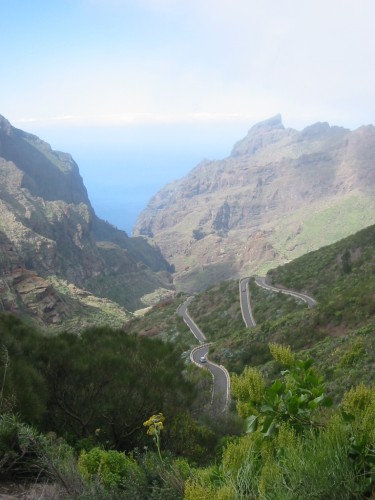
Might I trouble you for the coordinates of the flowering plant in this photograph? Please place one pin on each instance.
(155, 426)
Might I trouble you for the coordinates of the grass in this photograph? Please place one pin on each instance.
(358, 210)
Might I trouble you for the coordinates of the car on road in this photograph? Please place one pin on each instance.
(203, 359)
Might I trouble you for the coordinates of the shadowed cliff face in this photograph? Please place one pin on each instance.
(280, 193)
(53, 244)
(52, 175)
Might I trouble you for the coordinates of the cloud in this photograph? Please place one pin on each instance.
(173, 61)
(141, 119)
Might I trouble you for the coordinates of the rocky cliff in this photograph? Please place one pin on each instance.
(280, 193)
(59, 263)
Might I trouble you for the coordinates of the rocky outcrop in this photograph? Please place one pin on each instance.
(49, 231)
(280, 193)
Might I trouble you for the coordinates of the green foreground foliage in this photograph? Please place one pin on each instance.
(96, 387)
(294, 447)
(68, 402)
(29, 457)
(73, 409)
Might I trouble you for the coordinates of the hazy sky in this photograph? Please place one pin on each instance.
(140, 90)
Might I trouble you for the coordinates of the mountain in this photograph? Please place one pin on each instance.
(280, 194)
(59, 263)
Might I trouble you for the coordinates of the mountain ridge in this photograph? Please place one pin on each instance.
(50, 234)
(277, 187)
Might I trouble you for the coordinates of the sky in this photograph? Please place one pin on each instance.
(140, 91)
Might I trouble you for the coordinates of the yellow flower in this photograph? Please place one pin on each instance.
(154, 424)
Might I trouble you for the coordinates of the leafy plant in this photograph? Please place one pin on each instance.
(293, 399)
(112, 468)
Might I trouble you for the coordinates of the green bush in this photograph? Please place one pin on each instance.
(295, 398)
(186, 437)
(19, 449)
(287, 465)
(111, 468)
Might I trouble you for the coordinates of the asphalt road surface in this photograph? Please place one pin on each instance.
(195, 330)
(247, 313)
(261, 281)
(221, 380)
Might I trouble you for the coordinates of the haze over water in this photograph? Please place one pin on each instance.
(123, 167)
(140, 91)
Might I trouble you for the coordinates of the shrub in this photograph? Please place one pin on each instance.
(295, 398)
(111, 468)
(26, 455)
(316, 466)
(19, 446)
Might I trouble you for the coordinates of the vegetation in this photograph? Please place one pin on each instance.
(338, 332)
(293, 239)
(161, 322)
(298, 450)
(95, 387)
(75, 410)
(218, 311)
(93, 392)
(112, 468)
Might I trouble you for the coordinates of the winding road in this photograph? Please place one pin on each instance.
(220, 397)
(194, 328)
(261, 281)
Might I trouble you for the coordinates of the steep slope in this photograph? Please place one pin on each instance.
(338, 332)
(280, 193)
(52, 242)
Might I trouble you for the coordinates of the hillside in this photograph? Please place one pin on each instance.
(60, 264)
(95, 390)
(281, 193)
(339, 333)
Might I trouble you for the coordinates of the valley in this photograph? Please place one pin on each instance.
(102, 335)
(61, 266)
(337, 333)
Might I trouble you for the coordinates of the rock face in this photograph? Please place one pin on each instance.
(52, 243)
(280, 193)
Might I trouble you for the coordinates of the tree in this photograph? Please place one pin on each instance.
(23, 388)
(104, 384)
(346, 262)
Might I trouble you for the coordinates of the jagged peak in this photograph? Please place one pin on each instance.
(317, 128)
(275, 122)
(259, 135)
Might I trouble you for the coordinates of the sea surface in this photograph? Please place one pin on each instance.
(123, 167)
